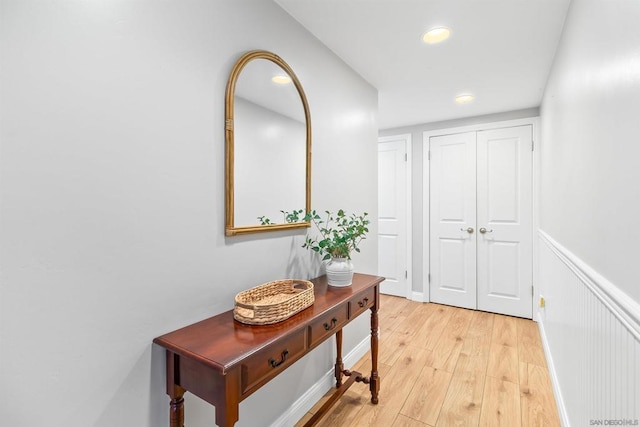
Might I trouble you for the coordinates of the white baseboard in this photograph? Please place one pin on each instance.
(301, 406)
(562, 410)
(419, 297)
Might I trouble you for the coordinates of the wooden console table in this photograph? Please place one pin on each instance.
(223, 361)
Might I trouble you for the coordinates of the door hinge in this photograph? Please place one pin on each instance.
(406, 274)
(429, 155)
(405, 157)
(532, 144)
(532, 290)
(429, 277)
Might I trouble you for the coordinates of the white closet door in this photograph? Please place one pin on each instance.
(505, 212)
(392, 217)
(452, 213)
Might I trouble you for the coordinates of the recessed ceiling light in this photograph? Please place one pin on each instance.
(436, 35)
(281, 79)
(464, 98)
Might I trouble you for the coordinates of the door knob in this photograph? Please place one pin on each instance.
(468, 230)
(484, 230)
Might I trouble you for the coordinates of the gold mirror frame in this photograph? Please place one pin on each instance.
(230, 229)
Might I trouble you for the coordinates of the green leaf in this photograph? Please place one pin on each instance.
(338, 236)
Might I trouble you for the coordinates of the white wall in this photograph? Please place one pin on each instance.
(591, 129)
(589, 209)
(112, 173)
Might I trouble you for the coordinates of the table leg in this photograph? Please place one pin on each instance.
(374, 385)
(339, 365)
(227, 415)
(176, 408)
(175, 392)
(227, 410)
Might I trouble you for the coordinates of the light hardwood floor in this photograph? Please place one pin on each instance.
(447, 366)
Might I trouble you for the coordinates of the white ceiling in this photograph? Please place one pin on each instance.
(499, 50)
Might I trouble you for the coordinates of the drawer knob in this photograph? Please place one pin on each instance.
(283, 357)
(328, 327)
(363, 302)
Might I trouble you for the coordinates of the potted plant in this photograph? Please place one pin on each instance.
(340, 234)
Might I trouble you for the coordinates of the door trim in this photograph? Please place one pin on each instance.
(535, 123)
(409, 240)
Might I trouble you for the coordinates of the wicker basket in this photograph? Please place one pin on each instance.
(273, 302)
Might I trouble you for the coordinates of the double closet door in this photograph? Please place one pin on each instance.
(481, 191)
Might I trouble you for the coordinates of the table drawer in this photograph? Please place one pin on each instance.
(269, 362)
(328, 324)
(362, 302)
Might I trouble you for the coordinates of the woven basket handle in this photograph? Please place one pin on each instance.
(247, 306)
(303, 285)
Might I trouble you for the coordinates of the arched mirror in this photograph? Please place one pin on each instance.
(268, 145)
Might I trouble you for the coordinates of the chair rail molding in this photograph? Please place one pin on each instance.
(619, 303)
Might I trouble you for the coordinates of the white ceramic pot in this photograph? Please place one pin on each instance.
(339, 272)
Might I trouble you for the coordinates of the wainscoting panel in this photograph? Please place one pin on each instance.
(591, 333)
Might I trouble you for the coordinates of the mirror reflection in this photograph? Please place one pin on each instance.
(268, 144)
